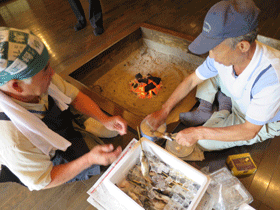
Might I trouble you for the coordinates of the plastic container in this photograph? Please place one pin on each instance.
(146, 131)
(177, 149)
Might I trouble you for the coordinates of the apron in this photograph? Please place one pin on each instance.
(61, 123)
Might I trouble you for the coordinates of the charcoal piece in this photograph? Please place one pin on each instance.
(138, 76)
(135, 85)
(149, 87)
(144, 80)
(153, 93)
(155, 79)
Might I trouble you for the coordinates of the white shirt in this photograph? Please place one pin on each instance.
(25, 160)
(257, 89)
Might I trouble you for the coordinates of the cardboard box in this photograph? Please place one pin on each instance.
(241, 164)
(116, 174)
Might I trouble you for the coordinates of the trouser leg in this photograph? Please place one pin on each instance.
(77, 9)
(95, 14)
(207, 90)
(206, 93)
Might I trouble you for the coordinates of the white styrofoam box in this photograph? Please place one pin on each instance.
(120, 170)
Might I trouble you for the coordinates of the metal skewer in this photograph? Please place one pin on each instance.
(139, 137)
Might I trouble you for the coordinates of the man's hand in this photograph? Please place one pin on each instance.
(85, 105)
(188, 136)
(103, 154)
(157, 118)
(116, 123)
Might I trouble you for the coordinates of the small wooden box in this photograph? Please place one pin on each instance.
(241, 164)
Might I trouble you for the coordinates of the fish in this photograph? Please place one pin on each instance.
(165, 135)
(145, 168)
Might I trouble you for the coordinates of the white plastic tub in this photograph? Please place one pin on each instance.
(120, 170)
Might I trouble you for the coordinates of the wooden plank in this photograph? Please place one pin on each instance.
(272, 194)
(21, 194)
(265, 170)
(52, 195)
(8, 191)
(32, 199)
(68, 199)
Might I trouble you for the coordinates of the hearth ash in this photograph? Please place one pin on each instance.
(145, 86)
(164, 189)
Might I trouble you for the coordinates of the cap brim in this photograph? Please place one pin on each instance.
(202, 44)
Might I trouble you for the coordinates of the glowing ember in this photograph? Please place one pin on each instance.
(145, 86)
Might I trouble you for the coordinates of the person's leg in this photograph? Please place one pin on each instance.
(95, 17)
(223, 119)
(206, 93)
(224, 102)
(79, 13)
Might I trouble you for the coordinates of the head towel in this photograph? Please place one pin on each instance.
(22, 54)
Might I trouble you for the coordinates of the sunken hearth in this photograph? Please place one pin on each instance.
(146, 58)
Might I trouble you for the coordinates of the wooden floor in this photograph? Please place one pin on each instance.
(53, 22)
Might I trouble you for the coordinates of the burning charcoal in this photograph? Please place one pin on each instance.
(149, 87)
(138, 76)
(144, 80)
(157, 80)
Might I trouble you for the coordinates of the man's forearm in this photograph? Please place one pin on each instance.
(241, 132)
(84, 104)
(181, 91)
(61, 174)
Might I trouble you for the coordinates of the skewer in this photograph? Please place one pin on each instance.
(139, 137)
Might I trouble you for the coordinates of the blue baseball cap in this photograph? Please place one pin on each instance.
(226, 19)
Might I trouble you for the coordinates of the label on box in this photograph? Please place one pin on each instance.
(243, 164)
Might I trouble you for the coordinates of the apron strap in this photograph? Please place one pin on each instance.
(3, 116)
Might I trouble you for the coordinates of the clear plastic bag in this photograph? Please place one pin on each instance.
(227, 191)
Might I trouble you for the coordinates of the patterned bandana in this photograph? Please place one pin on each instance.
(22, 54)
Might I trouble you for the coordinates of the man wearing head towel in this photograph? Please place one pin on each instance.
(246, 71)
(39, 146)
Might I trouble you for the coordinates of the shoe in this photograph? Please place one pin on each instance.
(98, 31)
(80, 25)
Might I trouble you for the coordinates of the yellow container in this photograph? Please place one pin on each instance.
(241, 164)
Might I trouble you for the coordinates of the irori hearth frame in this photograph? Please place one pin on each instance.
(110, 54)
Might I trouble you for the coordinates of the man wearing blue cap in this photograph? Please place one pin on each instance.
(244, 69)
(39, 145)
